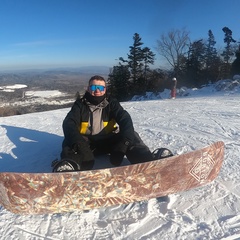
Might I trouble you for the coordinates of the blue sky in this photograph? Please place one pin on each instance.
(74, 33)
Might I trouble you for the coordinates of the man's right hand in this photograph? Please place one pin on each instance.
(83, 149)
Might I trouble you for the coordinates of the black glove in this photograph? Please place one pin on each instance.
(118, 152)
(121, 146)
(83, 150)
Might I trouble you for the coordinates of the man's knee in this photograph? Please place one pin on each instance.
(139, 154)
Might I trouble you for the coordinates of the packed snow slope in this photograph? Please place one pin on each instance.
(194, 120)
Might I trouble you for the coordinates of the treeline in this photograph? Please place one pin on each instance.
(193, 64)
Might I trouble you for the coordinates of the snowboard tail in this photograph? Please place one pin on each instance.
(41, 193)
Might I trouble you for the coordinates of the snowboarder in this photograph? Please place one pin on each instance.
(97, 124)
(173, 88)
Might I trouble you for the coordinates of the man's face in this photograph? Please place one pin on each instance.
(97, 87)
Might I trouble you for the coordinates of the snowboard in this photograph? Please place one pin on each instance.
(42, 193)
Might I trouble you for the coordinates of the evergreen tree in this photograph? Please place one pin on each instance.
(195, 63)
(118, 82)
(138, 63)
(212, 60)
(236, 63)
(227, 53)
(211, 52)
(135, 58)
(148, 58)
(157, 80)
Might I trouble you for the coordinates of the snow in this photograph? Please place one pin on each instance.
(40, 93)
(44, 94)
(12, 88)
(33, 97)
(16, 86)
(195, 119)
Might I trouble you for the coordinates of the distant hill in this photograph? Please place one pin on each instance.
(51, 78)
(69, 81)
(104, 70)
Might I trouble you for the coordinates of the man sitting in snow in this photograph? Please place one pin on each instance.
(99, 125)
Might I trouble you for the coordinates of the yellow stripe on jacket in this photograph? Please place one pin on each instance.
(83, 127)
(107, 126)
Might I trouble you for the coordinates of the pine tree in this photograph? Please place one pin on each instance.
(135, 58)
(149, 58)
(228, 39)
(138, 63)
(236, 63)
(211, 52)
(212, 60)
(227, 53)
(119, 82)
(195, 63)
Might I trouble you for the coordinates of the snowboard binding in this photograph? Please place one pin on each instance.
(65, 165)
(160, 153)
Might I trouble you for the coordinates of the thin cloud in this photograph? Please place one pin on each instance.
(38, 43)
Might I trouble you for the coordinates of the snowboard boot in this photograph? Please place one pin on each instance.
(65, 165)
(160, 153)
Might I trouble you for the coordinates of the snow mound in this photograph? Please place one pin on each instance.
(227, 86)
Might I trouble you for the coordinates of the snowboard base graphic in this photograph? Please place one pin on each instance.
(41, 193)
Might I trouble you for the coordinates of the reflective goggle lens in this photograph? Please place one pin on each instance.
(95, 87)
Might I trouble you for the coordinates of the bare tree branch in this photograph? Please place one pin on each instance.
(173, 46)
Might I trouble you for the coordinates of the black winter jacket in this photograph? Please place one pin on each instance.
(84, 116)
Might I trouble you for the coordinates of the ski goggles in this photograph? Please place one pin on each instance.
(95, 87)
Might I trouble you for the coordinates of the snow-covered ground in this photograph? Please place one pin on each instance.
(33, 97)
(12, 88)
(193, 120)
